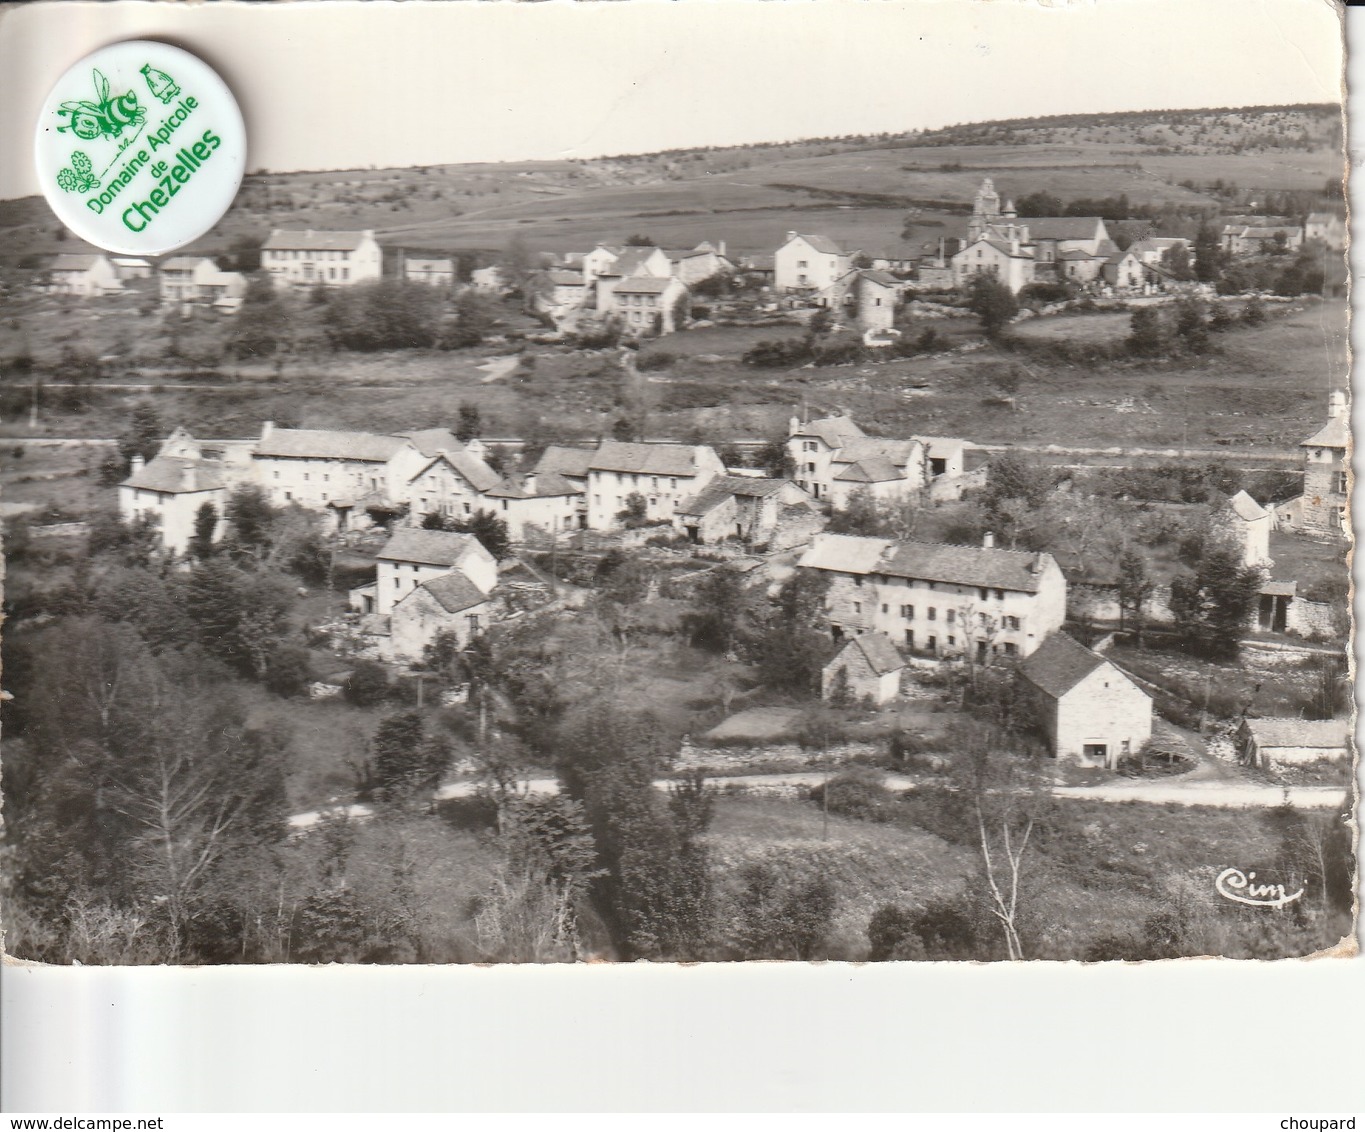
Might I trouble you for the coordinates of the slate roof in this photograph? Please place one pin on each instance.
(1269, 233)
(1247, 508)
(454, 592)
(169, 474)
(649, 459)
(325, 444)
(1074, 253)
(822, 244)
(309, 240)
(989, 567)
(834, 431)
(643, 285)
(1059, 664)
(432, 441)
(184, 263)
(565, 461)
(547, 485)
(1062, 227)
(1280, 589)
(884, 278)
(873, 469)
(847, 554)
(723, 487)
(864, 448)
(1008, 249)
(429, 548)
(877, 648)
(630, 261)
(1328, 734)
(475, 472)
(72, 261)
(1334, 434)
(560, 278)
(442, 265)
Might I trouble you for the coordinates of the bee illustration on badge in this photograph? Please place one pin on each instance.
(105, 117)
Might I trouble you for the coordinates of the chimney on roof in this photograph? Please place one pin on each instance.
(793, 426)
(1035, 565)
(529, 483)
(1336, 404)
(138, 462)
(267, 428)
(721, 248)
(988, 540)
(187, 476)
(791, 236)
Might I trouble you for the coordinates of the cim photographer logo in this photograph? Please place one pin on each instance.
(1233, 884)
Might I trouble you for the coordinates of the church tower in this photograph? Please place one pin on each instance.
(985, 211)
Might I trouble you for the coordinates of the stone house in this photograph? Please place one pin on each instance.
(82, 274)
(1089, 710)
(1326, 227)
(451, 484)
(1293, 742)
(702, 262)
(447, 603)
(664, 475)
(825, 449)
(412, 556)
(886, 469)
(870, 296)
(335, 259)
(342, 473)
(1006, 260)
(432, 272)
(939, 600)
(645, 304)
(1256, 239)
(1125, 271)
(755, 510)
(564, 290)
(574, 465)
(535, 501)
(871, 669)
(490, 280)
(1324, 506)
(805, 265)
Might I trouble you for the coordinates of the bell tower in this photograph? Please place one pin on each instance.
(985, 211)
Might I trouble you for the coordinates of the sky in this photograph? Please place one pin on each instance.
(345, 85)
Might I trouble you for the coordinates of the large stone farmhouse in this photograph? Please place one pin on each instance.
(833, 458)
(1090, 711)
(412, 556)
(335, 259)
(663, 475)
(1019, 250)
(806, 265)
(756, 511)
(938, 600)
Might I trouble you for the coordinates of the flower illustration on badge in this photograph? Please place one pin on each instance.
(80, 176)
(105, 117)
(160, 84)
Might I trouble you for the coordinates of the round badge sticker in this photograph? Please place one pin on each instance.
(140, 148)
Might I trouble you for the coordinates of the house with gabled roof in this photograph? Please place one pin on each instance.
(645, 304)
(824, 453)
(433, 272)
(1125, 270)
(663, 475)
(451, 484)
(1326, 227)
(171, 490)
(883, 468)
(868, 667)
(751, 509)
(1260, 239)
(807, 264)
(543, 502)
(1324, 506)
(1249, 524)
(692, 265)
(412, 556)
(198, 279)
(1090, 711)
(1005, 259)
(83, 274)
(131, 267)
(447, 603)
(349, 475)
(940, 600)
(334, 259)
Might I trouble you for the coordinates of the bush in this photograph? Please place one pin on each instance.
(655, 359)
(857, 793)
(368, 684)
(1039, 293)
(778, 354)
(287, 670)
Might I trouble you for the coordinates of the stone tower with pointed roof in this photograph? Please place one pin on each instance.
(1326, 505)
(985, 211)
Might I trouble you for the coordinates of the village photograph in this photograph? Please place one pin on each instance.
(922, 541)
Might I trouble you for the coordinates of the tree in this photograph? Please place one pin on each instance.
(1253, 313)
(1213, 604)
(639, 240)
(1041, 203)
(383, 314)
(1208, 254)
(1145, 337)
(719, 619)
(782, 919)
(794, 645)
(1177, 262)
(635, 510)
(776, 459)
(205, 526)
(1191, 325)
(368, 684)
(143, 435)
(406, 762)
(261, 326)
(288, 669)
(239, 614)
(469, 420)
(1013, 476)
(1135, 590)
(993, 303)
(490, 530)
(250, 518)
(472, 322)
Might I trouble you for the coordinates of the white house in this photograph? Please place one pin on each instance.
(806, 264)
(171, 490)
(536, 501)
(834, 457)
(337, 259)
(191, 279)
(645, 304)
(663, 475)
(1089, 710)
(1006, 260)
(412, 556)
(939, 600)
(1125, 270)
(451, 484)
(432, 272)
(1249, 524)
(82, 274)
(131, 267)
(342, 472)
(692, 265)
(1327, 227)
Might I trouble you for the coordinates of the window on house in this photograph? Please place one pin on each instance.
(1012, 623)
(857, 607)
(952, 641)
(984, 594)
(999, 595)
(885, 608)
(289, 495)
(981, 620)
(1011, 649)
(858, 582)
(908, 612)
(1339, 483)
(951, 616)
(932, 614)
(277, 474)
(801, 263)
(305, 477)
